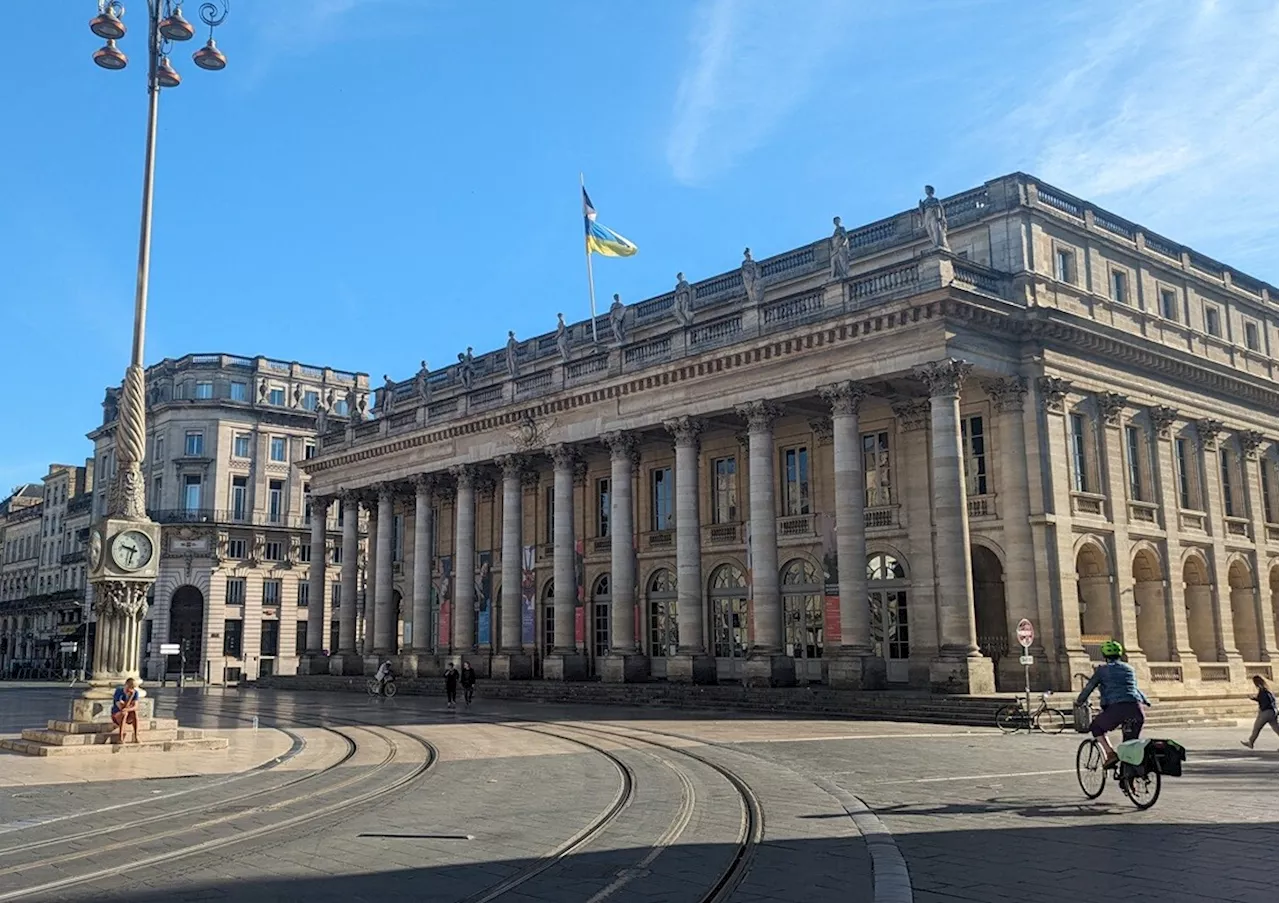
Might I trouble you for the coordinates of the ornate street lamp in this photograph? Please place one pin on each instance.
(124, 546)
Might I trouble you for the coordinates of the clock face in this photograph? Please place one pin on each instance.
(95, 550)
(131, 550)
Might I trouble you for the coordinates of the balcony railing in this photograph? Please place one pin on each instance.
(1215, 673)
(73, 557)
(880, 517)
(1191, 520)
(660, 539)
(1087, 503)
(1143, 513)
(1237, 526)
(233, 517)
(1166, 672)
(982, 506)
(796, 526)
(721, 535)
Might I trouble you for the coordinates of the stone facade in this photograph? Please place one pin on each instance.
(224, 435)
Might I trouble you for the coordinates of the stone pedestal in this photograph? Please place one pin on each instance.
(624, 668)
(764, 670)
(689, 668)
(95, 707)
(314, 664)
(561, 666)
(848, 670)
(512, 666)
(346, 665)
(968, 675)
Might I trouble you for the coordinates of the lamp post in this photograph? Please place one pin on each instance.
(124, 545)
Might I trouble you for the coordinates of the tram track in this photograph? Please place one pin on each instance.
(134, 844)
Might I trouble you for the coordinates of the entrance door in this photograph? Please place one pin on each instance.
(802, 618)
(728, 591)
(186, 628)
(887, 586)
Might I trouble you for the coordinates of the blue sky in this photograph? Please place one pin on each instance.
(373, 182)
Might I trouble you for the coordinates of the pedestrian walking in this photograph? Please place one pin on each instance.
(468, 681)
(451, 685)
(1266, 701)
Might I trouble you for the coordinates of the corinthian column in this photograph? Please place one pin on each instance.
(464, 544)
(316, 576)
(423, 487)
(564, 662)
(511, 662)
(765, 665)
(347, 614)
(625, 661)
(384, 629)
(691, 664)
(854, 666)
(960, 667)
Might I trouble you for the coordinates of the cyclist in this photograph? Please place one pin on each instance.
(1121, 700)
(468, 681)
(383, 677)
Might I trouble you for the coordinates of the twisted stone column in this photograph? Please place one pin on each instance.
(316, 576)
(464, 567)
(423, 486)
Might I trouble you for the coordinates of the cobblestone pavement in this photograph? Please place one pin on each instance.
(341, 798)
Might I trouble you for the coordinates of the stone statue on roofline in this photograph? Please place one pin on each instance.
(751, 280)
(353, 406)
(682, 304)
(562, 338)
(839, 251)
(466, 368)
(387, 396)
(618, 320)
(513, 350)
(934, 219)
(420, 385)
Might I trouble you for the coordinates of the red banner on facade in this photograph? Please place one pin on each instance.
(831, 622)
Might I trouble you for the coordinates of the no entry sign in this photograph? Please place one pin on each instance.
(1026, 633)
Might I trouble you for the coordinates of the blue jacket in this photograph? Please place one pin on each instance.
(1117, 683)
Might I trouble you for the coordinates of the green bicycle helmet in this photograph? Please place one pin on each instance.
(1112, 649)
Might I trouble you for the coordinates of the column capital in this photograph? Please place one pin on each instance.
(944, 377)
(1162, 417)
(464, 475)
(760, 415)
(1006, 394)
(562, 455)
(530, 478)
(424, 484)
(621, 445)
(1249, 442)
(823, 429)
(1053, 391)
(1110, 404)
(579, 472)
(1208, 429)
(512, 466)
(912, 415)
(320, 502)
(349, 497)
(684, 429)
(386, 492)
(845, 397)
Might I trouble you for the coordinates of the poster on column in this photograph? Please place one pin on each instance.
(635, 569)
(579, 609)
(444, 586)
(484, 598)
(826, 525)
(528, 591)
(751, 600)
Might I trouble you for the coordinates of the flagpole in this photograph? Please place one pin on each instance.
(591, 279)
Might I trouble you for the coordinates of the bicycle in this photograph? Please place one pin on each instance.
(1014, 717)
(388, 689)
(1139, 782)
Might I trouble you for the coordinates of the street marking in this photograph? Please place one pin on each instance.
(969, 777)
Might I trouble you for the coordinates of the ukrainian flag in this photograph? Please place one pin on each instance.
(602, 239)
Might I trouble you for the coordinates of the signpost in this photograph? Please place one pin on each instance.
(167, 649)
(1026, 636)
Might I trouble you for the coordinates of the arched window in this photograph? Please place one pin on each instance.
(728, 591)
(802, 610)
(600, 602)
(890, 631)
(548, 617)
(664, 634)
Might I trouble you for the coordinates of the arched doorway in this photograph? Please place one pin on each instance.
(1244, 611)
(1093, 595)
(186, 628)
(1199, 599)
(990, 609)
(802, 621)
(403, 631)
(548, 619)
(664, 631)
(1148, 600)
(727, 590)
(887, 587)
(600, 623)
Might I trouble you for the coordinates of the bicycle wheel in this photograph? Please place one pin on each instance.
(372, 687)
(390, 689)
(1050, 721)
(1089, 771)
(1142, 789)
(1011, 718)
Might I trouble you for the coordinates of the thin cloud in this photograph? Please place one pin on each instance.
(750, 63)
(1169, 116)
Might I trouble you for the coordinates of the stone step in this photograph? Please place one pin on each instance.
(61, 738)
(34, 748)
(96, 727)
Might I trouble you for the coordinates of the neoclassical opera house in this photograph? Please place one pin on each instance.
(861, 461)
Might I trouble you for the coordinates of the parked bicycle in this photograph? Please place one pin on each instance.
(1014, 717)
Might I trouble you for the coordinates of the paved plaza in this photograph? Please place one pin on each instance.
(339, 797)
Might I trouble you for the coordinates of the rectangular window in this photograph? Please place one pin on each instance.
(159, 447)
(1228, 484)
(306, 504)
(602, 507)
(235, 590)
(239, 498)
(204, 390)
(724, 491)
(876, 470)
(300, 645)
(232, 638)
(241, 445)
(276, 396)
(191, 492)
(1251, 336)
(1268, 486)
(1120, 286)
(278, 445)
(309, 450)
(195, 444)
(310, 400)
(304, 553)
(335, 592)
(1212, 320)
(275, 501)
(239, 391)
(337, 553)
(1066, 265)
(397, 537)
(270, 645)
(1169, 304)
(304, 593)
(663, 497)
(270, 591)
(273, 551)
(974, 442)
(1182, 456)
(549, 502)
(1080, 453)
(157, 487)
(795, 485)
(235, 548)
(340, 408)
(1135, 446)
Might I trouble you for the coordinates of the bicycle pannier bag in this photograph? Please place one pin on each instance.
(1082, 717)
(1167, 756)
